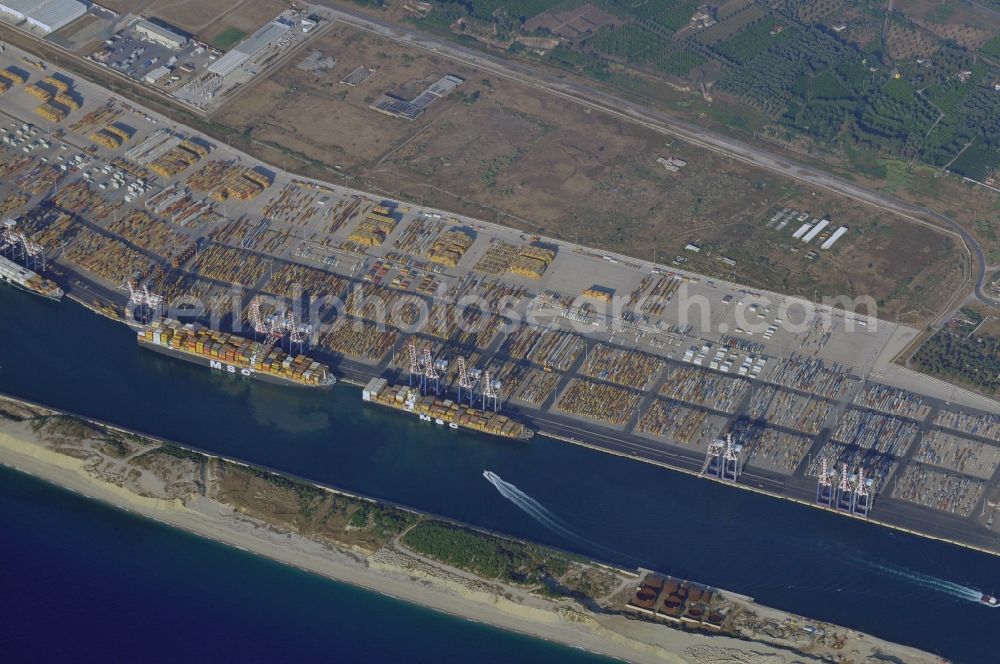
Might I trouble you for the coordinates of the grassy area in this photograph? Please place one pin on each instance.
(309, 510)
(485, 555)
(991, 48)
(737, 116)
(750, 43)
(228, 38)
(976, 161)
(898, 175)
(826, 86)
(958, 356)
(639, 47)
(546, 571)
(865, 162)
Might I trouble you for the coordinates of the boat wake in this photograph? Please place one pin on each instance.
(931, 582)
(536, 510)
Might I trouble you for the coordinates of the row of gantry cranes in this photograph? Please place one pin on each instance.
(18, 247)
(843, 491)
(426, 371)
(474, 385)
(280, 325)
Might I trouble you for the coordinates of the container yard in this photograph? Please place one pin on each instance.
(705, 388)
(789, 409)
(654, 292)
(675, 422)
(358, 338)
(889, 436)
(115, 194)
(770, 448)
(599, 401)
(498, 258)
(978, 424)
(231, 265)
(466, 325)
(813, 376)
(151, 234)
(621, 366)
(892, 401)
(955, 494)
(292, 280)
(536, 387)
(384, 305)
(105, 257)
(555, 350)
(947, 450)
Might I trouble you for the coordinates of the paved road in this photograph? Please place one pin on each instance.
(662, 122)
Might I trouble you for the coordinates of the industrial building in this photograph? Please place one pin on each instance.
(248, 48)
(410, 110)
(46, 15)
(18, 8)
(160, 35)
(156, 74)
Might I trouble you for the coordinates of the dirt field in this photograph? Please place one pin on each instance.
(967, 26)
(904, 42)
(498, 150)
(126, 6)
(205, 19)
(246, 16)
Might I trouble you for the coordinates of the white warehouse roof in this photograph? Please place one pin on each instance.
(54, 14)
(262, 38)
(164, 34)
(156, 74)
(20, 8)
(248, 48)
(228, 63)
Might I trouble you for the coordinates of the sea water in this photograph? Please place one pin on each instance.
(893, 585)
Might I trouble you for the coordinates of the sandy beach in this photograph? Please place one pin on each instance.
(87, 466)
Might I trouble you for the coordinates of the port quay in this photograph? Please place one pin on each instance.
(136, 213)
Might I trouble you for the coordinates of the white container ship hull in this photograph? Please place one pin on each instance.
(28, 281)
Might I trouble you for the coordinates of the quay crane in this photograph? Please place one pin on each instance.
(141, 299)
(491, 392)
(275, 328)
(467, 379)
(18, 246)
(845, 491)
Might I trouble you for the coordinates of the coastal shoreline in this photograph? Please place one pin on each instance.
(434, 586)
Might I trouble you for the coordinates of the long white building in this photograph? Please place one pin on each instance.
(248, 48)
(45, 15)
(160, 35)
(19, 8)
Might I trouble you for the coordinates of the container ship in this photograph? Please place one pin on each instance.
(443, 411)
(25, 279)
(233, 354)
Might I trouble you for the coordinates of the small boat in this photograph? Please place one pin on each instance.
(452, 425)
(438, 421)
(990, 601)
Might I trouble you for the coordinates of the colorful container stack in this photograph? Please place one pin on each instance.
(234, 354)
(443, 411)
